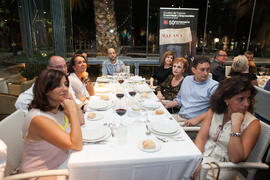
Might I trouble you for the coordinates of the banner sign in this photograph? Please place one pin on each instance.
(178, 31)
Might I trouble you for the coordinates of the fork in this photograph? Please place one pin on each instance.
(162, 139)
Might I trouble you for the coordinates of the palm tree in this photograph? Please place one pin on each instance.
(106, 26)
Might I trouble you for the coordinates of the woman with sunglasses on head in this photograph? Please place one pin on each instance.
(78, 78)
(229, 131)
(52, 126)
(169, 88)
(164, 70)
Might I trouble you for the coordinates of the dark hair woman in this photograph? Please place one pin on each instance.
(52, 126)
(164, 70)
(78, 78)
(229, 131)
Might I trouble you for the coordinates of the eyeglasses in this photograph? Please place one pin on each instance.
(220, 127)
(223, 55)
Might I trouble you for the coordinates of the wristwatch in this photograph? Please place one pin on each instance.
(235, 134)
(82, 108)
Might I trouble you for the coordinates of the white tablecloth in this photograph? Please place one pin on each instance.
(114, 161)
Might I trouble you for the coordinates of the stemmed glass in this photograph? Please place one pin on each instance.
(120, 109)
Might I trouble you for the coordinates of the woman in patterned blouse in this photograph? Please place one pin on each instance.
(170, 87)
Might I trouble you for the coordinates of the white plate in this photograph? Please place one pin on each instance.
(151, 104)
(158, 147)
(98, 116)
(164, 126)
(105, 80)
(165, 134)
(102, 90)
(144, 88)
(98, 104)
(94, 133)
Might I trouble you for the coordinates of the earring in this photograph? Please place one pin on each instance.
(226, 103)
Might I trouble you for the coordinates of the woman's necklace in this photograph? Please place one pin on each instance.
(176, 81)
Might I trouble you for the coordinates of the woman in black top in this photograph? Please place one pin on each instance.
(240, 68)
(164, 70)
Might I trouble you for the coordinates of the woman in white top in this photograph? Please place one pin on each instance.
(229, 131)
(52, 126)
(78, 78)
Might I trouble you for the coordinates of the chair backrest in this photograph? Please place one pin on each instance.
(262, 103)
(262, 144)
(10, 133)
(7, 103)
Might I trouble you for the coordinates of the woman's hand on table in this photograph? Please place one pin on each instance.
(160, 96)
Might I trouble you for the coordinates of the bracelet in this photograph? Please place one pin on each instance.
(235, 134)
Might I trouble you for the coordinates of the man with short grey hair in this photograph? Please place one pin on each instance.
(25, 98)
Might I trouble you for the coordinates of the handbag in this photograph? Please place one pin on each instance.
(214, 177)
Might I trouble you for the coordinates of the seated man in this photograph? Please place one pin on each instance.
(217, 66)
(25, 98)
(252, 66)
(113, 65)
(195, 93)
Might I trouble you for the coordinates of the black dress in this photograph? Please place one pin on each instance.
(249, 76)
(162, 74)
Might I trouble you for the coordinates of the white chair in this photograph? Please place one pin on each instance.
(10, 133)
(262, 103)
(254, 160)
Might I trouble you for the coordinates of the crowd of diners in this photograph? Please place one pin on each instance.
(222, 106)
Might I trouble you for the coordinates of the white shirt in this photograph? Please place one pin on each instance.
(25, 98)
(78, 87)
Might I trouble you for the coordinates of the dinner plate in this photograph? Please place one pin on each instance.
(99, 104)
(105, 80)
(94, 133)
(164, 126)
(151, 105)
(99, 116)
(165, 134)
(158, 147)
(102, 90)
(144, 88)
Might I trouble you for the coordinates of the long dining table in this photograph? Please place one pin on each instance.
(122, 158)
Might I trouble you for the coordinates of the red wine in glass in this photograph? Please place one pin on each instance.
(121, 111)
(120, 81)
(132, 93)
(119, 95)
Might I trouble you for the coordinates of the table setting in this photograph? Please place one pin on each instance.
(131, 137)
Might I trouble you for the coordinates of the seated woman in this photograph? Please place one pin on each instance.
(78, 78)
(240, 68)
(169, 88)
(229, 131)
(52, 126)
(164, 70)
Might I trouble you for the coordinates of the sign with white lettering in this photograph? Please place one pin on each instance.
(178, 31)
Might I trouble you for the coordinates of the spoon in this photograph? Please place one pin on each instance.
(110, 126)
(147, 132)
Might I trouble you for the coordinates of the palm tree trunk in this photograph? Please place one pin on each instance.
(106, 26)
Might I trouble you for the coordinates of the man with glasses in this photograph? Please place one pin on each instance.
(217, 67)
(25, 98)
(252, 67)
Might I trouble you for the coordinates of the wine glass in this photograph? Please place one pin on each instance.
(120, 109)
(119, 92)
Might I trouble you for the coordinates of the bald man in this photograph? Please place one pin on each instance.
(112, 65)
(25, 98)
